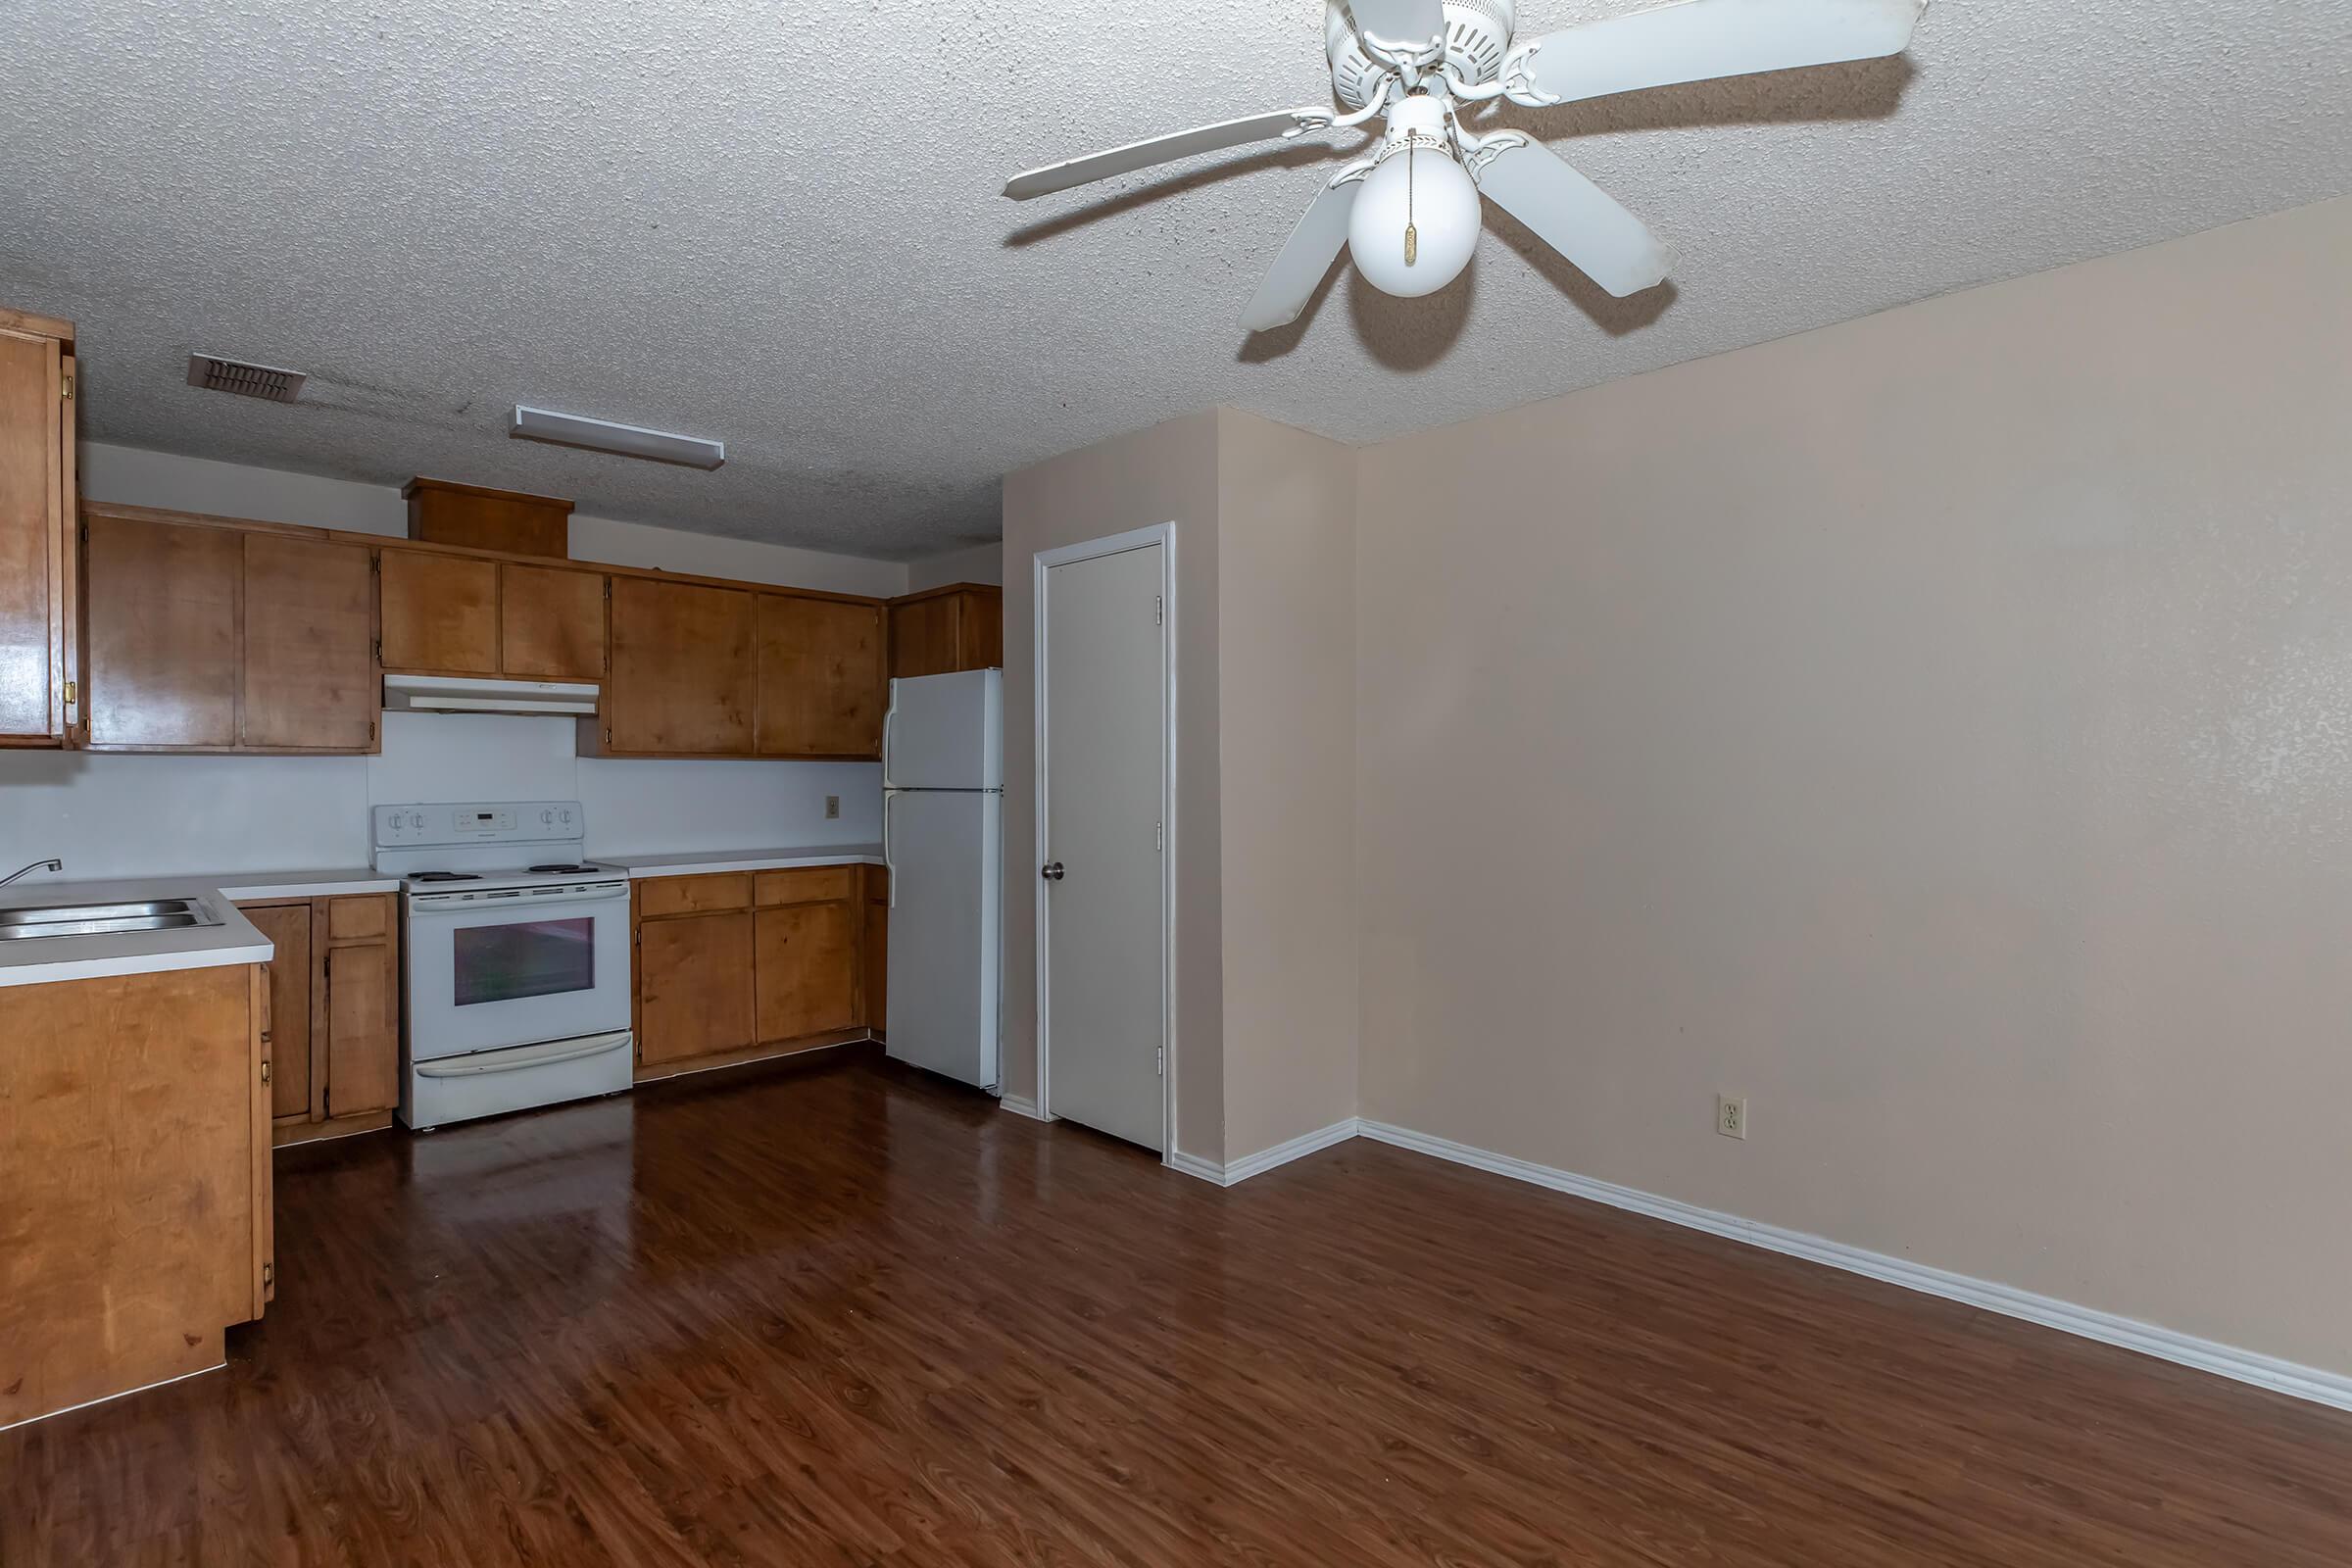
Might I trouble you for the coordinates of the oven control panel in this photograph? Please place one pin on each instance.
(478, 822)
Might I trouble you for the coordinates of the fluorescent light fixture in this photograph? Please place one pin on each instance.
(628, 440)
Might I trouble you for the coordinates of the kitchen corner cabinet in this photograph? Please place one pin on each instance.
(941, 630)
(333, 1042)
(822, 687)
(38, 692)
(741, 965)
(221, 639)
(448, 615)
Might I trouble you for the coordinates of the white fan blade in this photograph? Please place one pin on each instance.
(1303, 259)
(1410, 22)
(1162, 150)
(1700, 40)
(1575, 217)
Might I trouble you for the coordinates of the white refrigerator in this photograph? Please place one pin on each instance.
(943, 813)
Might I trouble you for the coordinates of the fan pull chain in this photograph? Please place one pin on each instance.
(1413, 235)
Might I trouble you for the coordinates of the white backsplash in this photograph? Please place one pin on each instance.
(118, 815)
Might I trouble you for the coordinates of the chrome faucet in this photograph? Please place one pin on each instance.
(37, 866)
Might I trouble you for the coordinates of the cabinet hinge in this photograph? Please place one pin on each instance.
(1159, 611)
(1160, 1060)
(265, 1067)
(372, 732)
(269, 1275)
(69, 685)
(65, 389)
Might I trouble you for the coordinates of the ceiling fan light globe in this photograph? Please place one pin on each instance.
(1434, 194)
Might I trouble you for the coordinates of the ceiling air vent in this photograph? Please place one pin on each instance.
(265, 381)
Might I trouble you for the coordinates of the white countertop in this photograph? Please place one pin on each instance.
(705, 861)
(42, 960)
(251, 887)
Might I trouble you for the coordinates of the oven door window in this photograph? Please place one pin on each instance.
(536, 959)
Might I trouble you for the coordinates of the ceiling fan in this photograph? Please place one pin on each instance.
(1409, 211)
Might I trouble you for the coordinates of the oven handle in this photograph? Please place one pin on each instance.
(525, 1057)
(458, 902)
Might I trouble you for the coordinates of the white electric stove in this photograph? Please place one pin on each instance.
(516, 959)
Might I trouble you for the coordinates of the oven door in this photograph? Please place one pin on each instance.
(514, 968)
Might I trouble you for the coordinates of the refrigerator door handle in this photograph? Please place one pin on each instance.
(888, 865)
(890, 716)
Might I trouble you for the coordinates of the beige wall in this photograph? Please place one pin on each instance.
(979, 564)
(1164, 474)
(1265, 606)
(1286, 613)
(1937, 728)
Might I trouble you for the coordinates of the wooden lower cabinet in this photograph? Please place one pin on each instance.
(805, 969)
(733, 966)
(334, 1012)
(694, 986)
(136, 1174)
(877, 949)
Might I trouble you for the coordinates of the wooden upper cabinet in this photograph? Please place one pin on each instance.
(309, 680)
(946, 630)
(683, 678)
(162, 614)
(551, 622)
(509, 520)
(821, 683)
(440, 613)
(37, 651)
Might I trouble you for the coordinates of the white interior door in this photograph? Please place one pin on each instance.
(1106, 760)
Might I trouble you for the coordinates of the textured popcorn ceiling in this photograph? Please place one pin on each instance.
(781, 226)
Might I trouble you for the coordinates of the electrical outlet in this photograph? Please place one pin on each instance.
(1730, 1117)
(832, 806)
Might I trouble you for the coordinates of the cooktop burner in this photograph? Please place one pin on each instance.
(565, 871)
(444, 876)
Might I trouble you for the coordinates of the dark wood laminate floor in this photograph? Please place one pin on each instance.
(848, 1316)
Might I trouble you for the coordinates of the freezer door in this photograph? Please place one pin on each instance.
(945, 732)
(945, 881)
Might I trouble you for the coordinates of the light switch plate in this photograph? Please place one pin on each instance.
(832, 806)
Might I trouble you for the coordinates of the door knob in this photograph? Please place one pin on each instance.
(1051, 871)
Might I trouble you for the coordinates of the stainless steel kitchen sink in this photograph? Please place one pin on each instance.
(19, 922)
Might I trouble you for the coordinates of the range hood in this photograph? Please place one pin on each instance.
(477, 694)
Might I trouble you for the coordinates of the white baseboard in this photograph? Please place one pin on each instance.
(1022, 1106)
(1208, 1170)
(1265, 1159)
(2206, 1355)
